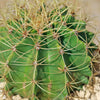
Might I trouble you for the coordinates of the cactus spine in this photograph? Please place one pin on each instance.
(47, 62)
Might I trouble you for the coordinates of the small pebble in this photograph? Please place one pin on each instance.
(4, 97)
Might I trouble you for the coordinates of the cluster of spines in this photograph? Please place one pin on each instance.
(45, 63)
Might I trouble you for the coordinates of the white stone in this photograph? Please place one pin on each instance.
(87, 94)
(81, 93)
(0, 91)
(93, 97)
(4, 97)
(98, 95)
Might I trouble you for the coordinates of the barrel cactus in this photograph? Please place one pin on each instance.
(45, 57)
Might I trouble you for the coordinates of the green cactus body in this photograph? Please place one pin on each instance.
(54, 79)
(45, 64)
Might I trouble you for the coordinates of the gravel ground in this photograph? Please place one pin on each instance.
(89, 92)
(3, 96)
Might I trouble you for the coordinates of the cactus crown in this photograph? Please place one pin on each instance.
(45, 56)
